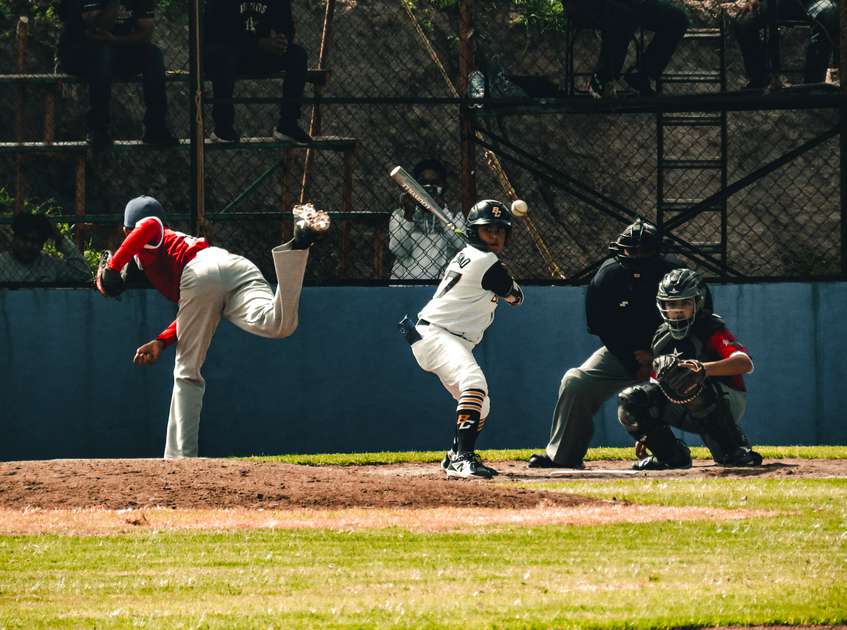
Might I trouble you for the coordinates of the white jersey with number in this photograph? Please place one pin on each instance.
(460, 304)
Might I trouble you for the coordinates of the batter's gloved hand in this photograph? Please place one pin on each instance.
(681, 380)
(109, 282)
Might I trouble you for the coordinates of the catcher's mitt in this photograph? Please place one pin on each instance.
(681, 380)
(108, 281)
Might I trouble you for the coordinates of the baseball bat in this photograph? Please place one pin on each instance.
(424, 199)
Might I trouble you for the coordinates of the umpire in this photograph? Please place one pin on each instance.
(621, 309)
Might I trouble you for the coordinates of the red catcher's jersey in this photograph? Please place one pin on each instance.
(161, 253)
(722, 344)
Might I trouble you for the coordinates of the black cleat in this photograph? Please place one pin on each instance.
(466, 466)
(310, 225)
(742, 457)
(652, 463)
(225, 136)
(540, 460)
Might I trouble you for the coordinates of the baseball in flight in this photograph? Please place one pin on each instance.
(519, 208)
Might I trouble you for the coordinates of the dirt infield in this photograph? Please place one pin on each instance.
(99, 496)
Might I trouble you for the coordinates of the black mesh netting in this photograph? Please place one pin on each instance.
(584, 175)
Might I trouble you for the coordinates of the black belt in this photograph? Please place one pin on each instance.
(423, 322)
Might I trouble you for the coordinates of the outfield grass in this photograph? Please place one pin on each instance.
(788, 568)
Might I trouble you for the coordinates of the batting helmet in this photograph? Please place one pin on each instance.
(637, 242)
(677, 286)
(488, 212)
(141, 208)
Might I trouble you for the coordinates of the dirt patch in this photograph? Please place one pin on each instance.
(103, 496)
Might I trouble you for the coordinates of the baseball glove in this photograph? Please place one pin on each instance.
(681, 380)
(108, 281)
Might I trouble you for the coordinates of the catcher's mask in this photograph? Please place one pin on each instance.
(680, 290)
(141, 208)
(637, 242)
(488, 212)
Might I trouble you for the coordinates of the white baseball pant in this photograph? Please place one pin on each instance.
(219, 284)
(451, 359)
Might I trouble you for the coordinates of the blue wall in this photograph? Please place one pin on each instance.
(347, 382)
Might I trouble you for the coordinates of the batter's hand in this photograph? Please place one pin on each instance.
(149, 353)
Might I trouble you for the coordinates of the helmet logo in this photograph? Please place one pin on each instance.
(496, 212)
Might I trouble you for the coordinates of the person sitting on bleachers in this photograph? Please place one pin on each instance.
(26, 260)
(103, 39)
(257, 39)
(823, 17)
(618, 21)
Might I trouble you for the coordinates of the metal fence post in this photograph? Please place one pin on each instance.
(842, 119)
(467, 168)
(198, 193)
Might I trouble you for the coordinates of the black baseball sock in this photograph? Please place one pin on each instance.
(468, 424)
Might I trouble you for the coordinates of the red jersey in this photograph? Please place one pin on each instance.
(162, 254)
(708, 340)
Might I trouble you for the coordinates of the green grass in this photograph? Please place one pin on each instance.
(352, 459)
(789, 567)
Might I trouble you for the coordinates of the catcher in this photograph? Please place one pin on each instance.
(208, 283)
(697, 383)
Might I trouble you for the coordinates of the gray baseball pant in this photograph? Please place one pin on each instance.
(219, 284)
(582, 392)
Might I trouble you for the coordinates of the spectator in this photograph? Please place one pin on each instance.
(26, 260)
(422, 247)
(822, 15)
(106, 39)
(253, 38)
(621, 310)
(618, 21)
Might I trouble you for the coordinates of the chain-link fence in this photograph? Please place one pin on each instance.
(586, 170)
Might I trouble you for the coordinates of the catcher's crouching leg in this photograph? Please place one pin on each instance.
(640, 410)
(721, 434)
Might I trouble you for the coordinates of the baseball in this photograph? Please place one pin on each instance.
(519, 208)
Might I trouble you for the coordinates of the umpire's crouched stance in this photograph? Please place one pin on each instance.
(696, 386)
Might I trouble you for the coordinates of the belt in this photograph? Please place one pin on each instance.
(423, 322)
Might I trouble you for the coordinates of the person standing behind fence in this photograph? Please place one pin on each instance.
(254, 38)
(618, 21)
(422, 247)
(26, 261)
(824, 35)
(105, 39)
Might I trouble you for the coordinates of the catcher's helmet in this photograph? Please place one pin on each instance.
(488, 212)
(676, 286)
(637, 242)
(141, 208)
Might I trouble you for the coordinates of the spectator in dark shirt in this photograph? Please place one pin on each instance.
(621, 311)
(26, 260)
(617, 21)
(254, 38)
(106, 39)
(824, 34)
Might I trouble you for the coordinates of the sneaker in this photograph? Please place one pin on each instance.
(742, 457)
(451, 454)
(310, 225)
(597, 89)
(639, 82)
(223, 135)
(288, 131)
(652, 463)
(99, 139)
(161, 138)
(467, 465)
